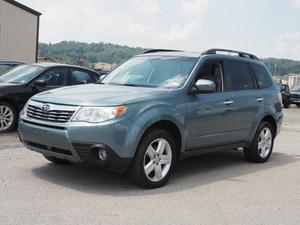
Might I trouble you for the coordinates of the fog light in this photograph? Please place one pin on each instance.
(102, 154)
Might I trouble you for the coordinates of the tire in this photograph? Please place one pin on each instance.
(160, 161)
(286, 105)
(8, 117)
(260, 155)
(57, 160)
(298, 105)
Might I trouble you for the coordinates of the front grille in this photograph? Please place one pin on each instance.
(58, 116)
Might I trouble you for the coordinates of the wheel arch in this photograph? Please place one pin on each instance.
(171, 127)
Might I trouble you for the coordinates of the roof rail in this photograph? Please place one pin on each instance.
(241, 54)
(160, 50)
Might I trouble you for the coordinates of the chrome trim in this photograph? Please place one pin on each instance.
(58, 115)
(260, 99)
(228, 102)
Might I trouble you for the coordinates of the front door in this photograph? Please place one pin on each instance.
(210, 115)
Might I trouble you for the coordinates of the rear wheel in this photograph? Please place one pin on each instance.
(298, 105)
(154, 160)
(262, 145)
(57, 160)
(8, 117)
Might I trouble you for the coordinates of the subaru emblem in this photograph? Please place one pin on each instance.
(46, 108)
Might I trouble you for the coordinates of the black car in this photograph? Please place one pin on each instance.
(24, 81)
(295, 96)
(285, 93)
(7, 65)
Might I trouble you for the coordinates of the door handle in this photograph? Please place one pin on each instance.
(228, 102)
(260, 99)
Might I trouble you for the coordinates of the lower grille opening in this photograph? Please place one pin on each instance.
(36, 145)
(52, 149)
(61, 151)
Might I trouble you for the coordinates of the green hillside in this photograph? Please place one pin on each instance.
(80, 53)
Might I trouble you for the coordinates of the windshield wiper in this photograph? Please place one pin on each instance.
(132, 85)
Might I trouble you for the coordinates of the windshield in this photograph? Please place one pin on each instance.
(296, 88)
(21, 74)
(165, 72)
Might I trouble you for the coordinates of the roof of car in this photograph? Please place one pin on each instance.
(49, 65)
(10, 62)
(212, 53)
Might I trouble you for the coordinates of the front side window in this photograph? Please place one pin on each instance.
(262, 76)
(212, 71)
(21, 74)
(80, 77)
(159, 71)
(54, 77)
(239, 76)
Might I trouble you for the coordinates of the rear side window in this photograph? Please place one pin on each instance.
(262, 76)
(81, 77)
(239, 76)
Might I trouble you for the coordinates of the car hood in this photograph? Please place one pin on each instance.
(4, 85)
(97, 95)
(6, 88)
(295, 92)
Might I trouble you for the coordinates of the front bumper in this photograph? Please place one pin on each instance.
(75, 141)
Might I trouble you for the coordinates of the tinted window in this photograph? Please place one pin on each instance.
(21, 74)
(212, 71)
(81, 77)
(4, 68)
(239, 76)
(54, 77)
(262, 76)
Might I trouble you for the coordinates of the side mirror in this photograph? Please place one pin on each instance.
(203, 86)
(40, 83)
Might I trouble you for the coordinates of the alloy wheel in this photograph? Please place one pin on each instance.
(265, 142)
(157, 160)
(6, 117)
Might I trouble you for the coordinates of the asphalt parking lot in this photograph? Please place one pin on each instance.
(220, 188)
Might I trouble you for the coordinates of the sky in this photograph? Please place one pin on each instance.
(267, 28)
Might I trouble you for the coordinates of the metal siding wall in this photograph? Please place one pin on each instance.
(18, 33)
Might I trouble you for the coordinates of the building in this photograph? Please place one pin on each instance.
(46, 59)
(19, 32)
(105, 66)
(294, 80)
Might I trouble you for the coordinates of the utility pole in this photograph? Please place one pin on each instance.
(275, 69)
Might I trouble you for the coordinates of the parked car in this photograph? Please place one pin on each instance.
(285, 93)
(156, 108)
(7, 65)
(24, 81)
(295, 96)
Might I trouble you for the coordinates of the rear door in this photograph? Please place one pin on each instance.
(246, 96)
(80, 76)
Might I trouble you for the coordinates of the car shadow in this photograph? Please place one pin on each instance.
(189, 173)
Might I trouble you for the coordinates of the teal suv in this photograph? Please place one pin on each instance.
(156, 108)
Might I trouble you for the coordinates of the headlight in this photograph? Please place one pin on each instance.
(98, 114)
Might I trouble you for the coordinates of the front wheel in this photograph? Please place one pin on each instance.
(286, 105)
(262, 145)
(8, 117)
(154, 160)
